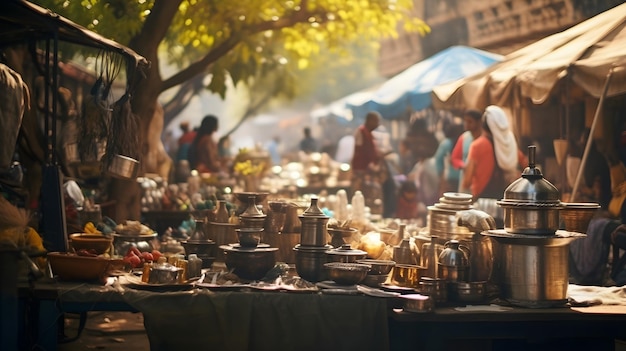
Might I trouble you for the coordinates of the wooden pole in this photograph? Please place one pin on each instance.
(591, 132)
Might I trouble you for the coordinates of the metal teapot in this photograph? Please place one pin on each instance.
(453, 261)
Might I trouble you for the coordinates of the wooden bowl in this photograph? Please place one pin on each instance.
(97, 242)
(69, 266)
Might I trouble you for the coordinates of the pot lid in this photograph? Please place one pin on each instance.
(559, 238)
(304, 248)
(313, 210)
(346, 250)
(531, 186)
(239, 248)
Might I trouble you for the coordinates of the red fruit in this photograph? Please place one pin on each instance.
(156, 254)
(147, 256)
(134, 261)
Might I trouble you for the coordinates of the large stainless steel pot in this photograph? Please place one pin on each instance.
(532, 270)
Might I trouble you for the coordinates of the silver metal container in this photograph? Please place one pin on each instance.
(436, 288)
(164, 274)
(123, 167)
(467, 291)
(313, 226)
(532, 270)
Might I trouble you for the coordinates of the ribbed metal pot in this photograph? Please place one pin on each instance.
(531, 203)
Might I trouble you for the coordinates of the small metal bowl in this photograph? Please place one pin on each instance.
(416, 303)
(344, 273)
(407, 275)
(467, 291)
(375, 280)
(249, 237)
(378, 266)
(164, 274)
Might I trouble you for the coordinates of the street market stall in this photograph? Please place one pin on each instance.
(37, 32)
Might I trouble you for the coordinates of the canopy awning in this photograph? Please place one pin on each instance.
(586, 52)
(21, 20)
(411, 89)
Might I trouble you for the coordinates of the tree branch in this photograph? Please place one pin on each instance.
(182, 97)
(300, 16)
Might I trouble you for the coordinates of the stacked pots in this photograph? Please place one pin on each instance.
(249, 258)
(444, 226)
(311, 252)
(530, 254)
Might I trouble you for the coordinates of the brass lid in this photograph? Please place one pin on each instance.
(531, 187)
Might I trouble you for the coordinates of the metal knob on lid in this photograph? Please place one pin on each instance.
(532, 186)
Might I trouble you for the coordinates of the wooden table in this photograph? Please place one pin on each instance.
(587, 328)
(258, 320)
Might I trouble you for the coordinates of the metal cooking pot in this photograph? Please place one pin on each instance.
(532, 270)
(531, 203)
(123, 167)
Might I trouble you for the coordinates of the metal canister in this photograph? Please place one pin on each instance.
(313, 226)
(436, 288)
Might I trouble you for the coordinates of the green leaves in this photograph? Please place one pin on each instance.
(268, 33)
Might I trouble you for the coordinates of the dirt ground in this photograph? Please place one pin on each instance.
(106, 331)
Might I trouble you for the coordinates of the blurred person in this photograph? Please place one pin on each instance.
(170, 144)
(185, 140)
(406, 157)
(458, 157)
(407, 207)
(224, 150)
(273, 148)
(345, 149)
(203, 152)
(491, 156)
(424, 175)
(368, 170)
(308, 144)
(449, 175)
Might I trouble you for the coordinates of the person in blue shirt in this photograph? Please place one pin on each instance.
(449, 175)
(308, 144)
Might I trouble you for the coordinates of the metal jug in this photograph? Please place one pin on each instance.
(453, 262)
(406, 252)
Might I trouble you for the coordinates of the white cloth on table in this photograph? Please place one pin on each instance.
(586, 295)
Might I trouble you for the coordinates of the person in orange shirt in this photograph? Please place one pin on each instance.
(491, 156)
(458, 156)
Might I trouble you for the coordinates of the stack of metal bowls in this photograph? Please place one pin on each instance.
(311, 252)
(442, 222)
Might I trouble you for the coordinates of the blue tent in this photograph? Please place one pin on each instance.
(411, 89)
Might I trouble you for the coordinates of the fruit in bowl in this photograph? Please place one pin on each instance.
(94, 243)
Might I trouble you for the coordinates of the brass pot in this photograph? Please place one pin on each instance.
(250, 264)
(310, 262)
(407, 275)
